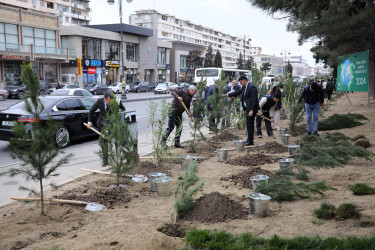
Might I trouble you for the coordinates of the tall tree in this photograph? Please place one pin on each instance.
(249, 64)
(265, 67)
(289, 68)
(240, 62)
(218, 61)
(194, 59)
(209, 57)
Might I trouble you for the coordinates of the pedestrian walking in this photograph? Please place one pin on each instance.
(329, 89)
(314, 100)
(267, 106)
(276, 117)
(175, 118)
(249, 104)
(103, 105)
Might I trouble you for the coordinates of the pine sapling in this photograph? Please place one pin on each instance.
(198, 114)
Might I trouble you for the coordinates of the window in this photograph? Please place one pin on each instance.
(72, 104)
(162, 55)
(87, 103)
(87, 94)
(9, 36)
(131, 52)
(111, 50)
(42, 3)
(91, 48)
(183, 61)
(50, 5)
(40, 38)
(78, 92)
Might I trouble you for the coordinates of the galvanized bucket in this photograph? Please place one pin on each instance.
(152, 177)
(258, 179)
(222, 154)
(283, 131)
(163, 186)
(185, 161)
(285, 162)
(287, 114)
(293, 149)
(259, 204)
(239, 145)
(285, 139)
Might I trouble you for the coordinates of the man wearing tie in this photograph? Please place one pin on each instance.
(249, 104)
(103, 105)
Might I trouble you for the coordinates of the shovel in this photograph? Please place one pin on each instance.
(189, 114)
(272, 122)
(90, 206)
(96, 131)
(136, 177)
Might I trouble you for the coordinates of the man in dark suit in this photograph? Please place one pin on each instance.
(249, 104)
(103, 105)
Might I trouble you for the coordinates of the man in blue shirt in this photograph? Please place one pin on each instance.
(314, 100)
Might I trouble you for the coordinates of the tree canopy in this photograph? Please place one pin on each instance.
(209, 57)
(218, 62)
(240, 62)
(194, 59)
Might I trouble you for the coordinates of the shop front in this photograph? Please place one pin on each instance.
(11, 68)
(92, 71)
(186, 75)
(50, 72)
(131, 76)
(111, 71)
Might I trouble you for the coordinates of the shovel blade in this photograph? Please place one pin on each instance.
(95, 207)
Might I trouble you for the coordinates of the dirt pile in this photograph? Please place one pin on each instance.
(110, 197)
(225, 136)
(146, 167)
(173, 230)
(270, 147)
(251, 160)
(243, 179)
(361, 140)
(214, 207)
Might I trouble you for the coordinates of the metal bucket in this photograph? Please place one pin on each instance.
(258, 179)
(287, 114)
(163, 186)
(152, 177)
(239, 145)
(285, 162)
(293, 149)
(259, 204)
(285, 139)
(222, 154)
(185, 161)
(283, 131)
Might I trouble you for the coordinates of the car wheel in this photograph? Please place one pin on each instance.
(138, 90)
(21, 95)
(62, 137)
(42, 92)
(1, 98)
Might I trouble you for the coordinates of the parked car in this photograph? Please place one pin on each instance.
(117, 88)
(54, 85)
(3, 94)
(152, 87)
(172, 85)
(19, 90)
(76, 92)
(139, 87)
(97, 89)
(162, 88)
(71, 111)
(71, 86)
(183, 85)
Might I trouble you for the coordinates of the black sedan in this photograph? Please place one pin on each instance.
(19, 90)
(139, 87)
(97, 89)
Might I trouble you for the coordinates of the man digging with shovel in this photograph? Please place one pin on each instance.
(182, 97)
(267, 106)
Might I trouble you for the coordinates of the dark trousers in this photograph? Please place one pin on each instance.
(329, 94)
(174, 121)
(250, 128)
(268, 124)
(104, 146)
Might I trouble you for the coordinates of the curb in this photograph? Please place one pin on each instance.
(146, 98)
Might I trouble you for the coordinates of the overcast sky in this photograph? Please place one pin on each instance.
(235, 17)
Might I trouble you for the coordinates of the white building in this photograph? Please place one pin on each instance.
(73, 12)
(300, 66)
(175, 29)
(276, 64)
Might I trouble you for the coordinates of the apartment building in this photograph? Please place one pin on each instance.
(275, 61)
(73, 12)
(29, 33)
(175, 29)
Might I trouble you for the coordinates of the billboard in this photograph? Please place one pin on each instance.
(352, 72)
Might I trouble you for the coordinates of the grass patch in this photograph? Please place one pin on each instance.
(286, 190)
(206, 239)
(366, 224)
(361, 189)
(317, 222)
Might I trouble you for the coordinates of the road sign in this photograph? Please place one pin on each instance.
(352, 72)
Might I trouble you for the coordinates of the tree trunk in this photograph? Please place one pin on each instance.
(42, 195)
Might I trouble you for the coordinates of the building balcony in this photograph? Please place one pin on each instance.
(14, 49)
(78, 6)
(67, 14)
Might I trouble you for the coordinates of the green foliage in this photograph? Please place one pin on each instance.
(256, 76)
(209, 57)
(330, 150)
(218, 62)
(249, 64)
(121, 152)
(302, 175)
(194, 59)
(240, 61)
(220, 240)
(326, 211)
(199, 109)
(186, 187)
(347, 211)
(157, 124)
(362, 189)
(286, 190)
(265, 67)
(339, 121)
(296, 117)
(34, 143)
(317, 222)
(237, 118)
(366, 224)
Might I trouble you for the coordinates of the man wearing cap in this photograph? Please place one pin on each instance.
(175, 118)
(314, 100)
(267, 106)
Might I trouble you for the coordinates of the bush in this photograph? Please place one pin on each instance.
(361, 189)
(326, 211)
(338, 121)
(347, 211)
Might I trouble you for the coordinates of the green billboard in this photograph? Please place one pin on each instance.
(352, 72)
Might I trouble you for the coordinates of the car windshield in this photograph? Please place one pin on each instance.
(161, 85)
(60, 92)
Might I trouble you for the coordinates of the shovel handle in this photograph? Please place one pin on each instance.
(104, 172)
(49, 200)
(271, 121)
(189, 114)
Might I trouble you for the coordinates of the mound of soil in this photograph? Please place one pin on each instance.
(359, 137)
(206, 148)
(214, 207)
(270, 147)
(251, 160)
(146, 167)
(173, 230)
(243, 178)
(225, 136)
(362, 142)
(110, 197)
